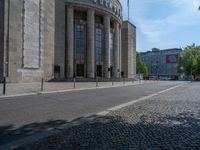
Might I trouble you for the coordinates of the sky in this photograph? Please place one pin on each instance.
(164, 24)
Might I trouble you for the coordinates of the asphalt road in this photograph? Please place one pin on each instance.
(28, 115)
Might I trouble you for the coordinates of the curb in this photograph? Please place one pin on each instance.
(68, 90)
(138, 100)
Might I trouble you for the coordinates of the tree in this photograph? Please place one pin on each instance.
(141, 66)
(199, 7)
(189, 62)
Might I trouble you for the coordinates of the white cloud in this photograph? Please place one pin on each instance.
(185, 14)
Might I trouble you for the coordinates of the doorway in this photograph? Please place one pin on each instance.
(111, 71)
(99, 71)
(80, 70)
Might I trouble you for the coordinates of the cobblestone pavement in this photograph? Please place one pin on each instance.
(167, 121)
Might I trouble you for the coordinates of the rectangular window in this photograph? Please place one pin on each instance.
(111, 48)
(99, 45)
(80, 42)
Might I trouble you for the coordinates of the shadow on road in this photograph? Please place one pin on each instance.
(108, 132)
(9, 133)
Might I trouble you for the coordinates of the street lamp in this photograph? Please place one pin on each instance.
(182, 68)
(6, 72)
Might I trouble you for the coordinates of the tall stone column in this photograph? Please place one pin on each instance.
(106, 46)
(70, 42)
(90, 43)
(116, 50)
(120, 51)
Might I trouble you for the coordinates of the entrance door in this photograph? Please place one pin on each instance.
(111, 71)
(80, 70)
(99, 70)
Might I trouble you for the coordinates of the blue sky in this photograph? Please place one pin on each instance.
(164, 23)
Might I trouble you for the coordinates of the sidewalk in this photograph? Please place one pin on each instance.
(20, 89)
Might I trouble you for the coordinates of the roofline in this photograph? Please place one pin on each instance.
(129, 23)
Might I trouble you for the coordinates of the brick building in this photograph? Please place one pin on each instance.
(162, 63)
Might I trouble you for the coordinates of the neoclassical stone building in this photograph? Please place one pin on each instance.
(65, 39)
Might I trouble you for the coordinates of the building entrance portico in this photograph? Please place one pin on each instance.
(92, 43)
(90, 38)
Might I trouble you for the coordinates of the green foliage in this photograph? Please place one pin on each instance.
(189, 62)
(141, 66)
(199, 7)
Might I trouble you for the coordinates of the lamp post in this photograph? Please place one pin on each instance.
(128, 10)
(182, 68)
(7, 41)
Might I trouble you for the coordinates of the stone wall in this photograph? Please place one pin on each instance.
(14, 53)
(48, 38)
(60, 40)
(31, 40)
(39, 25)
(31, 34)
(128, 50)
(1, 37)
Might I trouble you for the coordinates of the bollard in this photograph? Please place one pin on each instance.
(124, 82)
(4, 85)
(133, 81)
(97, 82)
(42, 85)
(112, 82)
(74, 83)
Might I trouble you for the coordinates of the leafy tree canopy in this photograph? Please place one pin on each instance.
(189, 62)
(141, 66)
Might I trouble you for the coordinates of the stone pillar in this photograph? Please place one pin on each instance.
(120, 51)
(106, 46)
(128, 49)
(70, 42)
(116, 50)
(90, 43)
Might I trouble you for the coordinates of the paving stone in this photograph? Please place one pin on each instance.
(167, 121)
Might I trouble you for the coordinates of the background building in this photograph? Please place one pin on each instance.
(162, 63)
(65, 39)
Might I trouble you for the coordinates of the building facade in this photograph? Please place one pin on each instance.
(128, 55)
(162, 63)
(64, 39)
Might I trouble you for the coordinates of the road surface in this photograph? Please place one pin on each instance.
(29, 115)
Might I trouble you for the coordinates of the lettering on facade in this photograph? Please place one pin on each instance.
(110, 5)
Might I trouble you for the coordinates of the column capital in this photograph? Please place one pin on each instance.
(116, 24)
(91, 10)
(107, 16)
(70, 6)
